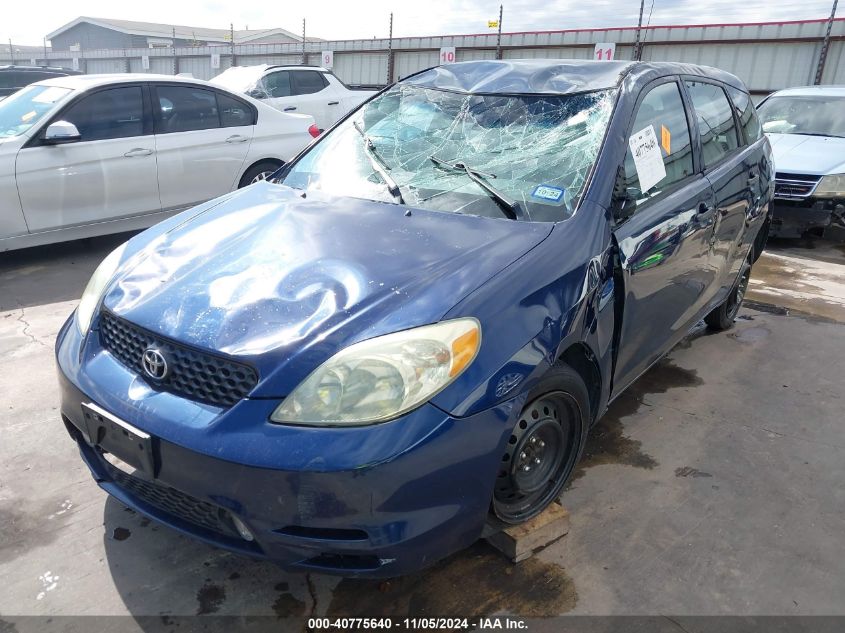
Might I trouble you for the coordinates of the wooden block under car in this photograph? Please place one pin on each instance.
(519, 542)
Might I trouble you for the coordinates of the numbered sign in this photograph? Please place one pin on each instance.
(604, 52)
(75, 63)
(328, 59)
(145, 62)
(215, 60)
(447, 55)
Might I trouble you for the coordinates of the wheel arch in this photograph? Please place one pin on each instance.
(254, 163)
(581, 358)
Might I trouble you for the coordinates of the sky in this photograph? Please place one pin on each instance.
(345, 19)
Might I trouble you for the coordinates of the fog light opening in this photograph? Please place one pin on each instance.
(243, 530)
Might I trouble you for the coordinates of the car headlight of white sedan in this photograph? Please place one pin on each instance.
(832, 186)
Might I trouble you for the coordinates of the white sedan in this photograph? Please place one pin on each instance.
(303, 89)
(95, 154)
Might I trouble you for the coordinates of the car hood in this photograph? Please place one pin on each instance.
(802, 154)
(240, 78)
(285, 281)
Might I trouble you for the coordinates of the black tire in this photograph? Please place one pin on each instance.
(722, 317)
(548, 438)
(259, 171)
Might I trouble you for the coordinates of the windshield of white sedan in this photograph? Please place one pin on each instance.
(522, 157)
(810, 115)
(27, 107)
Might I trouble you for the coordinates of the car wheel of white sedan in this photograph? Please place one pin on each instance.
(258, 172)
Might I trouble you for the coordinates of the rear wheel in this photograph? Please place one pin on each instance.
(258, 172)
(722, 317)
(543, 447)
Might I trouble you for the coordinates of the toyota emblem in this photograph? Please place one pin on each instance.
(154, 363)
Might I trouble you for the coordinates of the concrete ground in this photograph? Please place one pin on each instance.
(713, 486)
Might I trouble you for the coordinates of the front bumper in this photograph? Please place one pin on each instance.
(793, 218)
(419, 490)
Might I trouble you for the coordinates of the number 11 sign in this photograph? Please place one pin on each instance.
(604, 51)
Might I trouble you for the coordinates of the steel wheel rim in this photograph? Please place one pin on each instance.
(261, 176)
(738, 294)
(520, 494)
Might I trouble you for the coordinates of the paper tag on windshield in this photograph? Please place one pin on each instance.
(648, 161)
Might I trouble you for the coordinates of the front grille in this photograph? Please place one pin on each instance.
(191, 373)
(795, 186)
(176, 503)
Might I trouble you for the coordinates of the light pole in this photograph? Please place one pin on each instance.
(825, 45)
(499, 36)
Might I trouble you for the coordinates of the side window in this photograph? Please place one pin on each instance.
(233, 112)
(306, 82)
(277, 84)
(182, 109)
(662, 109)
(715, 121)
(113, 113)
(747, 114)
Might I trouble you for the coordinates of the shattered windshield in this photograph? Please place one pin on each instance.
(522, 157)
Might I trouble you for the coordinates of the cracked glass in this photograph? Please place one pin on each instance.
(519, 156)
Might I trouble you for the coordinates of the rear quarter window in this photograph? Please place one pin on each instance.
(748, 120)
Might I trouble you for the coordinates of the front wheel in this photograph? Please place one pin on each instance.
(722, 317)
(543, 447)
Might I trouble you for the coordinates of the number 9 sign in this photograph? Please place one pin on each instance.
(604, 52)
(328, 59)
(447, 55)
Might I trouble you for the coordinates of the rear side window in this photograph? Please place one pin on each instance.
(306, 82)
(715, 121)
(276, 84)
(662, 109)
(114, 113)
(747, 114)
(233, 112)
(182, 109)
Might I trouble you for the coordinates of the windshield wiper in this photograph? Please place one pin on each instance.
(511, 207)
(379, 165)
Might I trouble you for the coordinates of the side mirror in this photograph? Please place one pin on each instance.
(61, 132)
(256, 93)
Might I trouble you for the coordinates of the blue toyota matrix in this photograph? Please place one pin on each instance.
(413, 325)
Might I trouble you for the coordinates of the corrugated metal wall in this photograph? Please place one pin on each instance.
(767, 56)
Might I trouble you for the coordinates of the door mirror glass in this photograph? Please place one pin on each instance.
(61, 132)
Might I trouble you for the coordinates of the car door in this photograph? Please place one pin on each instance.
(662, 231)
(726, 166)
(202, 139)
(108, 174)
(317, 98)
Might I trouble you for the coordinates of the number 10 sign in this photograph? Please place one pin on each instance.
(447, 55)
(604, 51)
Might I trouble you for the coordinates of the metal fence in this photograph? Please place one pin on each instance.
(767, 56)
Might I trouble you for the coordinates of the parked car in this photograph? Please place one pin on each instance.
(305, 89)
(94, 154)
(806, 127)
(13, 78)
(418, 320)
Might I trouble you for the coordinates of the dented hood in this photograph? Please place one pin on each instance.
(284, 282)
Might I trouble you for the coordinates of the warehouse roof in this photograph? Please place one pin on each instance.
(154, 29)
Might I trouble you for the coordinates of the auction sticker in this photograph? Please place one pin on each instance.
(648, 161)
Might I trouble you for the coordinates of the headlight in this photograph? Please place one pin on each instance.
(94, 290)
(384, 377)
(832, 186)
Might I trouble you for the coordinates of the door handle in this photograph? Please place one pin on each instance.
(138, 151)
(236, 138)
(290, 109)
(333, 102)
